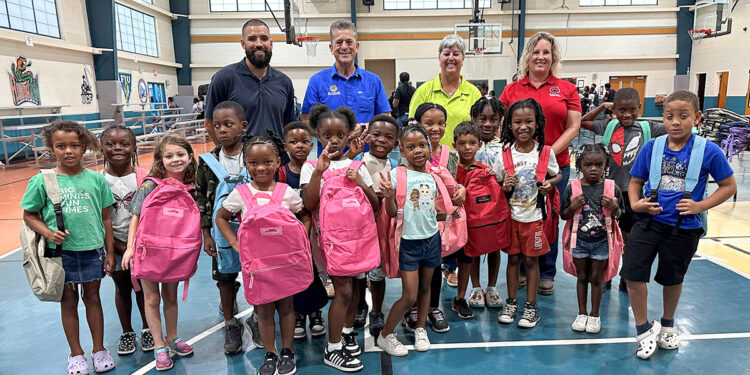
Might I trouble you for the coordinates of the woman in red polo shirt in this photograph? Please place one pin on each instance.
(562, 110)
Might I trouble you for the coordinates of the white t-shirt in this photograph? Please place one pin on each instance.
(307, 171)
(523, 201)
(374, 167)
(232, 164)
(123, 189)
(234, 203)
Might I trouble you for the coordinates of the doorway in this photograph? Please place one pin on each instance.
(701, 89)
(636, 82)
(157, 94)
(723, 82)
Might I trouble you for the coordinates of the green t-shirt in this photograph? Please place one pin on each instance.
(84, 196)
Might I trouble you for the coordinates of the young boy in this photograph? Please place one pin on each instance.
(229, 124)
(627, 136)
(654, 232)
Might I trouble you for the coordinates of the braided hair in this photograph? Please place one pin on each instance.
(107, 133)
(592, 148)
(478, 106)
(271, 139)
(507, 136)
(411, 128)
(424, 107)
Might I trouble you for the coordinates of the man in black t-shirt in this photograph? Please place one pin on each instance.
(402, 99)
(609, 96)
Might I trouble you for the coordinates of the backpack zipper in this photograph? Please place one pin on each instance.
(143, 254)
(252, 274)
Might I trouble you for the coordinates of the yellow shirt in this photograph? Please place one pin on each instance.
(458, 106)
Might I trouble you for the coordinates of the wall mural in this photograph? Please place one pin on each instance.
(126, 80)
(24, 85)
(142, 91)
(87, 95)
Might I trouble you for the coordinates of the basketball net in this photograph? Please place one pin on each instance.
(311, 44)
(479, 51)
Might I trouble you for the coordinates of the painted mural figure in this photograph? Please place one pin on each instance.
(24, 85)
(87, 95)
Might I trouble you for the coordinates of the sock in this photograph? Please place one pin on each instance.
(347, 330)
(490, 288)
(332, 346)
(643, 327)
(231, 322)
(667, 322)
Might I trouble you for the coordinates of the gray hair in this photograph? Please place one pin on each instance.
(451, 40)
(342, 25)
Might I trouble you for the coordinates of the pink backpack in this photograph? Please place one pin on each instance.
(169, 238)
(614, 236)
(389, 229)
(346, 224)
(453, 232)
(274, 248)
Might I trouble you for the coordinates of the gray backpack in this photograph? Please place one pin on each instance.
(45, 274)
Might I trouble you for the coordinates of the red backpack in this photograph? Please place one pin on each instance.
(550, 204)
(487, 213)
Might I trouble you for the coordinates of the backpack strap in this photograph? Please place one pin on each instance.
(359, 156)
(446, 198)
(282, 173)
(356, 164)
(401, 184)
(654, 173)
(609, 191)
(611, 126)
(215, 166)
(575, 190)
(646, 129)
(278, 192)
(245, 194)
(53, 194)
(542, 164)
(693, 172)
(140, 175)
(445, 154)
(394, 163)
(508, 160)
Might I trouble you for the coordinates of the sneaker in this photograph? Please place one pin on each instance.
(450, 277)
(147, 340)
(341, 360)
(421, 341)
(287, 365)
(391, 345)
(126, 343)
(521, 282)
(462, 308)
(579, 325)
(377, 322)
(233, 338)
(317, 325)
(647, 341)
(476, 298)
(546, 287)
(163, 360)
(361, 317)
(437, 321)
(508, 315)
(668, 338)
(350, 343)
(594, 324)
(329, 289)
(299, 327)
(409, 322)
(530, 316)
(179, 347)
(269, 364)
(251, 324)
(103, 361)
(77, 365)
(493, 298)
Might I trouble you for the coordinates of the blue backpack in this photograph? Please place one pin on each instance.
(394, 162)
(228, 260)
(691, 177)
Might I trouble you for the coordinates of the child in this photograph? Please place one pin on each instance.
(487, 114)
(298, 143)
(262, 157)
(173, 158)
(120, 165)
(591, 251)
(523, 132)
(655, 232)
(333, 129)
(87, 250)
(229, 124)
(421, 245)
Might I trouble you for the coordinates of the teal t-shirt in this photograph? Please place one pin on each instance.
(420, 220)
(84, 196)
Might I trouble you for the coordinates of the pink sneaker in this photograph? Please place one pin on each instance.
(179, 347)
(77, 365)
(103, 361)
(163, 360)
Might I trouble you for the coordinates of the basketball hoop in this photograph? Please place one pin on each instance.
(479, 51)
(310, 42)
(696, 34)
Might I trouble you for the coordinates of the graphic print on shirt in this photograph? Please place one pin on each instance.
(75, 200)
(123, 202)
(673, 172)
(525, 192)
(422, 199)
(591, 221)
(624, 155)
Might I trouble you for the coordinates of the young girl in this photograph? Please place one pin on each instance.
(120, 164)
(173, 158)
(591, 252)
(333, 129)
(87, 250)
(523, 132)
(488, 114)
(263, 157)
(421, 245)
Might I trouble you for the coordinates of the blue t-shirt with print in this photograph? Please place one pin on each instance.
(674, 167)
(420, 220)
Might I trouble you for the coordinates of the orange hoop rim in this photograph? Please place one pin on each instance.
(308, 38)
(700, 31)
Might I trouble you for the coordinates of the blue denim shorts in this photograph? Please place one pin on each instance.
(83, 266)
(598, 250)
(426, 252)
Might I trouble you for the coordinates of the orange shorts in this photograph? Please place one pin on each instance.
(527, 239)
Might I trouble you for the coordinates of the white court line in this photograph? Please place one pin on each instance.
(721, 263)
(193, 340)
(9, 253)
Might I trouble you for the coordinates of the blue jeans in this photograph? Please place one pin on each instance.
(547, 262)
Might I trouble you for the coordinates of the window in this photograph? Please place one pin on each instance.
(434, 4)
(34, 16)
(245, 5)
(136, 32)
(585, 3)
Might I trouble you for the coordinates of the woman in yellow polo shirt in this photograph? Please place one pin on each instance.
(449, 88)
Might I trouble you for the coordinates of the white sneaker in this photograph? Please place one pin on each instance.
(476, 299)
(668, 338)
(421, 341)
(579, 324)
(594, 324)
(647, 341)
(391, 345)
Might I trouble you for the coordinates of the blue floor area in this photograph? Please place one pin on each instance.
(713, 302)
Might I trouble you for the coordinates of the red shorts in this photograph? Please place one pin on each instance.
(527, 239)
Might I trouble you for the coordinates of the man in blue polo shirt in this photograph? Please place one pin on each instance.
(266, 94)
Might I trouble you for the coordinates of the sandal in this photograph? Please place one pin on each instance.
(103, 361)
(647, 341)
(668, 338)
(77, 365)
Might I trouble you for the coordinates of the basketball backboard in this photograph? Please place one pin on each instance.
(481, 38)
(292, 27)
(713, 15)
